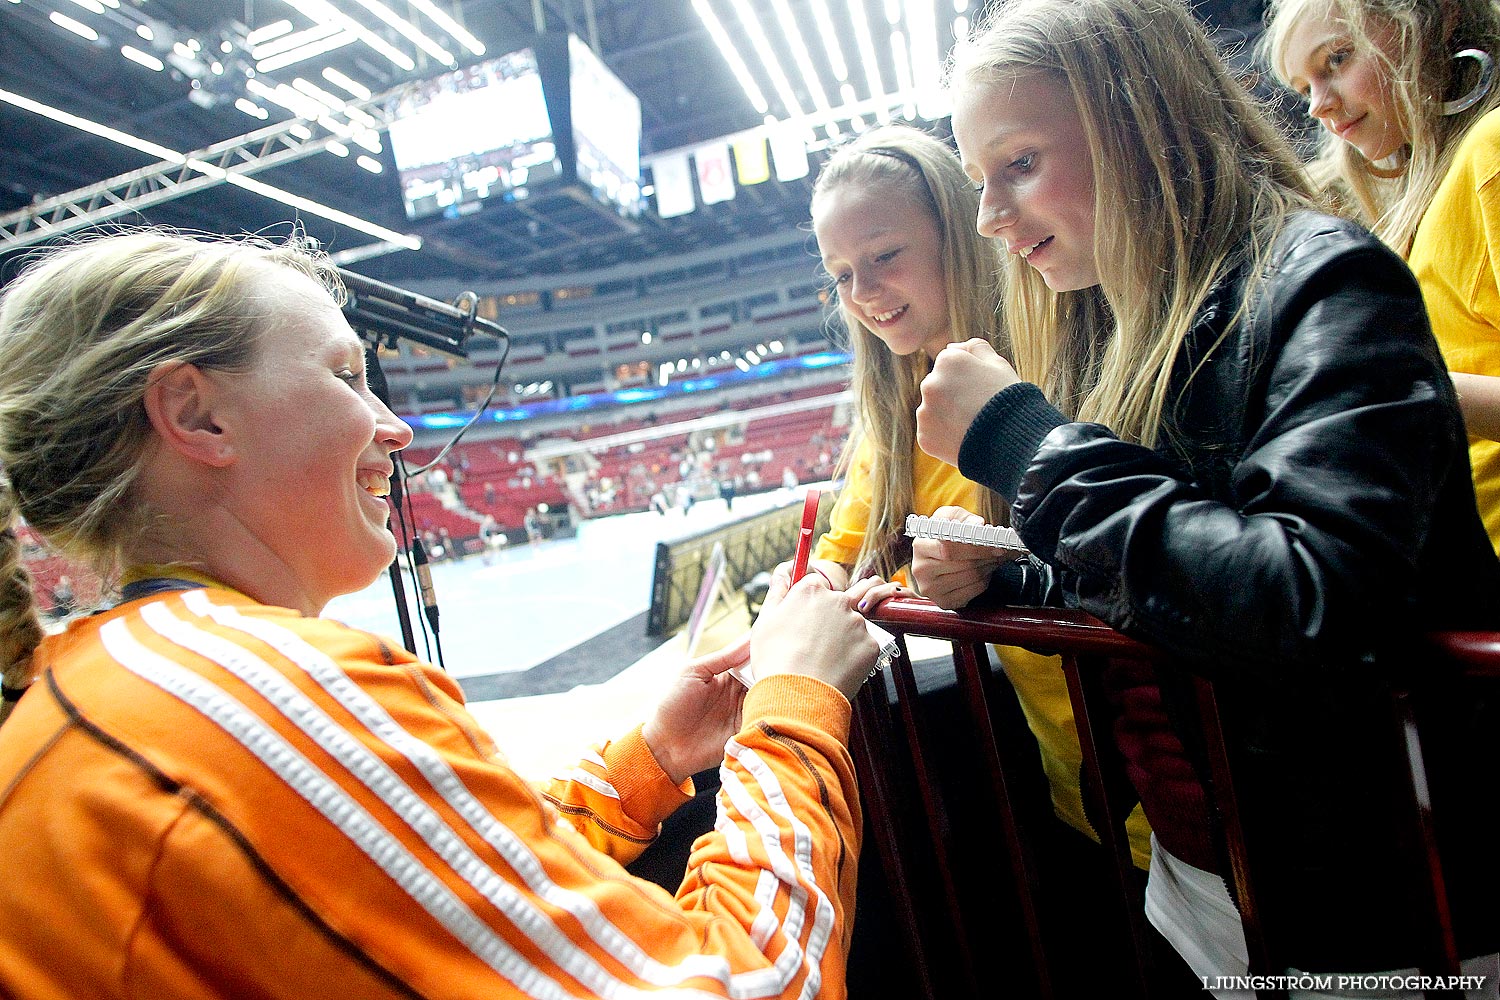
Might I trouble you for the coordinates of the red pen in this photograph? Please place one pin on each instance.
(805, 534)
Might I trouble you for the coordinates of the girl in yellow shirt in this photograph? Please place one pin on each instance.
(1405, 91)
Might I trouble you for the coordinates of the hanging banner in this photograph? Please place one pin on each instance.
(750, 163)
(789, 153)
(674, 186)
(715, 183)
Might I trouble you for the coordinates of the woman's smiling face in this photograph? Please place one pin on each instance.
(1345, 81)
(883, 251)
(315, 445)
(1021, 138)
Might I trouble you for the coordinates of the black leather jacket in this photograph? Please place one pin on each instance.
(1309, 513)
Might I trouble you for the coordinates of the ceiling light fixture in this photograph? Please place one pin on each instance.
(317, 48)
(146, 59)
(407, 29)
(84, 125)
(926, 58)
(800, 56)
(338, 79)
(751, 24)
(267, 32)
(356, 115)
(78, 28)
(369, 163)
(830, 40)
(331, 214)
(252, 109)
(92, 6)
(338, 128)
(902, 59)
(298, 104)
(325, 13)
(295, 40)
(731, 56)
(452, 27)
(867, 61)
(317, 93)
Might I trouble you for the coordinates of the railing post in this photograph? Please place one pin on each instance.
(1443, 943)
(872, 746)
(934, 809)
(1102, 769)
(1226, 803)
(972, 665)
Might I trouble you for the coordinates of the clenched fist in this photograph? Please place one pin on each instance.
(963, 378)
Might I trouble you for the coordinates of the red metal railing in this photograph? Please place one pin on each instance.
(914, 836)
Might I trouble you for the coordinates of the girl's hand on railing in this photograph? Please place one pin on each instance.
(951, 574)
(817, 631)
(877, 590)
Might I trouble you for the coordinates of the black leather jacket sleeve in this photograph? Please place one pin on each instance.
(1346, 431)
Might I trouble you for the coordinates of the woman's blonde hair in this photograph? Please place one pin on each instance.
(81, 331)
(887, 388)
(1190, 181)
(1418, 61)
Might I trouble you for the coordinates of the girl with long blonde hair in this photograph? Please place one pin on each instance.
(1407, 96)
(1226, 431)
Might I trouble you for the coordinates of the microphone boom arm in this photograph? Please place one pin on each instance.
(385, 314)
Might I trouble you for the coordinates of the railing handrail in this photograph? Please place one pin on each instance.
(1086, 643)
(1056, 629)
(1039, 629)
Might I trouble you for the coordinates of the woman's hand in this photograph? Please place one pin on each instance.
(963, 378)
(951, 574)
(816, 631)
(837, 574)
(698, 714)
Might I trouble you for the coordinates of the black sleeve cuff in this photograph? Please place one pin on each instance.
(1004, 437)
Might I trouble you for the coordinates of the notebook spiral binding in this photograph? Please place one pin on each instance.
(992, 535)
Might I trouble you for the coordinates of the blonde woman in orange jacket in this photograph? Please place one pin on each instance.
(208, 791)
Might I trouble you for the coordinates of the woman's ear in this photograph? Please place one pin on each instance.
(180, 401)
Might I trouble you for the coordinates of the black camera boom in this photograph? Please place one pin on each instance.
(384, 314)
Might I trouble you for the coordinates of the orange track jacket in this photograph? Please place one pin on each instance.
(206, 797)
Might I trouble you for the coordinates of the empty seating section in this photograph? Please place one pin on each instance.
(497, 478)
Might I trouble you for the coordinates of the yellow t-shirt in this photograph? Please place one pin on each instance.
(1453, 256)
(1041, 687)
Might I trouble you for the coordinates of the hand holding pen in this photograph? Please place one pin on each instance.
(859, 596)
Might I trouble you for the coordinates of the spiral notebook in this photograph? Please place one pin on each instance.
(992, 535)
